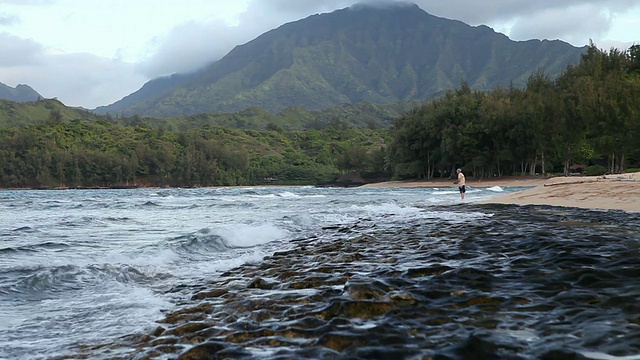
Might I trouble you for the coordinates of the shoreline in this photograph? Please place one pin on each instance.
(608, 192)
(490, 182)
(511, 181)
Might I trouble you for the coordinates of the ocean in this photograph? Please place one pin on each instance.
(87, 273)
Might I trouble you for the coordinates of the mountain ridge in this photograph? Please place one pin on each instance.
(21, 93)
(362, 53)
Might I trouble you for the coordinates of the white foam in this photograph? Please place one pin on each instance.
(446, 192)
(603, 356)
(290, 195)
(157, 258)
(204, 268)
(242, 235)
(386, 209)
(496, 189)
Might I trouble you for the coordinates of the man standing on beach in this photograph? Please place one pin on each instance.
(460, 182)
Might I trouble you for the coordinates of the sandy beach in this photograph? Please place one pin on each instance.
(610, 192)
(501, 181)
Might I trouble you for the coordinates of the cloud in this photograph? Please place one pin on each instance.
(193, 45)
(190, 46)
(17, 51)
(76, 79)
(27, 2)
(7, 20)
(102, 80)
(575, 21)
(557, 25)
(477, 12)
(300, 8)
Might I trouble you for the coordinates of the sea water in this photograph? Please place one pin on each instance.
(83, 267)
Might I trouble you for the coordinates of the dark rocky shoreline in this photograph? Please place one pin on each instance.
(529, 289)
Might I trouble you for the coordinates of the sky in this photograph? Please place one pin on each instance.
(91, 53)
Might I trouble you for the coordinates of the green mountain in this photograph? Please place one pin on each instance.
(21, 93)
(14, 113)
(362, 53)
(363, 115)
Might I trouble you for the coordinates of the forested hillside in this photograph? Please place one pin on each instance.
(82, 153)
(590, 114)
(40, 111)
(363, 115)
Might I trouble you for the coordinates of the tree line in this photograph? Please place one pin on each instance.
(590, 112)
(81, 153)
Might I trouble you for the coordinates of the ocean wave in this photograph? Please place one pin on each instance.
(201, 242)
(120, 220)
(290, 195)
(253, 196)
(250, 235)
(48, 245)
(230, 236)
(24, 229)
(81, 221)
(43, 281)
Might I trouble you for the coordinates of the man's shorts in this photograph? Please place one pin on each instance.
(462, 189)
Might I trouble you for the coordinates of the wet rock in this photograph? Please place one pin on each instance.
(161, 350)
(363, 291)
(261, 315)
(485, 302)
(209, 294)
(386, 352)
(340, 341)
(158, 331)
(205, 351)
(478, 290)
(482, 346)
(245, 336)
(428, 271)
(195, 313)
(165, 340)
(401, 298)
(313, 282)
(366, 309)
(562, 355)
(354, 309)
(260, 283)
(308, 322)
(188, 328)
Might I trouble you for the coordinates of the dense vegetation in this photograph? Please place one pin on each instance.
(40, 111)
(363, 115)
(590, 112)
(83, 153)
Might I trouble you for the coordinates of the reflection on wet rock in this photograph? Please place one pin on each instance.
(517, 285)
